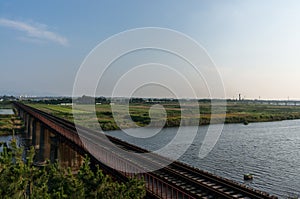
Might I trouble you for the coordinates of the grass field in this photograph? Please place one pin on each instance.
(139, 113)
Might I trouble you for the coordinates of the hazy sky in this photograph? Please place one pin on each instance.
(255, 44)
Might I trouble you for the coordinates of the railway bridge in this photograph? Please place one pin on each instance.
(177, 180)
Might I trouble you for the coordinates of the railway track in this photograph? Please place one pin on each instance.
(198, 183)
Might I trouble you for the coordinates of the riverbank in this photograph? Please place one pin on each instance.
(9, 122)
(139, 112)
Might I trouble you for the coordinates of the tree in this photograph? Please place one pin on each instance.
(20, 178)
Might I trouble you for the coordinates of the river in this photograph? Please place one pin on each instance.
(269, 150)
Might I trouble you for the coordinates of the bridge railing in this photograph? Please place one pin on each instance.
(154, 184)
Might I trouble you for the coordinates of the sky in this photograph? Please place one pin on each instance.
(254, 44)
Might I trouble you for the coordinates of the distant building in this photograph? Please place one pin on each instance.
(66, 104)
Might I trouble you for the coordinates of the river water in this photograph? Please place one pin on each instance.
(6, 112)
(270, 151)
(21, 141)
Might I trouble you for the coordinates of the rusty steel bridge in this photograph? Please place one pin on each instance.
(177, 180)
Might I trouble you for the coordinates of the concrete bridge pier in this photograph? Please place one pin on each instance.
(26, 121)
(25, 118)
(36, 135)
(21, 113)
(31, 128)
(44, 145)
(27, 124)
(69, 157)
(33, 133)
(63, 155)
(54, 144)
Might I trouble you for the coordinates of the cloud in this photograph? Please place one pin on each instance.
(37, 31)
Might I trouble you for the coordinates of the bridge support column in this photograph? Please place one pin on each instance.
(33, 131)
(54, 144)
(36, 140)
(25, 119)
(64, 155)
(68, 157)
(20, 113)
(44, 145)
(78, 160)
(30, 127)
(27, 124)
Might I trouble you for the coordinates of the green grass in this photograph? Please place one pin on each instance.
(139, 113)
(5, 104)
(8, 123)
